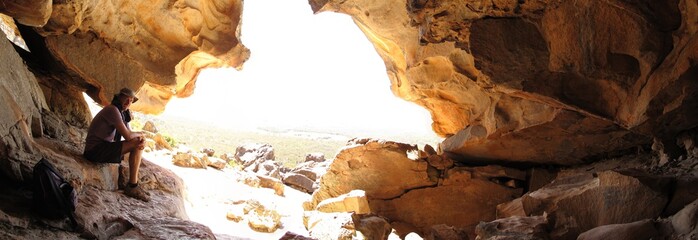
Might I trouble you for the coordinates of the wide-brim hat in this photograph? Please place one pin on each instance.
(128, 92)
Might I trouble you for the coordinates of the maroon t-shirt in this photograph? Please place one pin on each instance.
(103, 127)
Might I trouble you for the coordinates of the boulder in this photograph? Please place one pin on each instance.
(262, 219)
(581, 201)
(256, 180)
(150, 127)
(253, 153)
(272, 183)
(683, 225)
(444, 232)
(162, 142)
(235, 214)
(300, 182)
(371, 227)
(399, 187)
(268, 168)
(216, 163)
(685, 222)
(513, 228)
(294, 236)
(355, 201)
(643, 229)
(462, 206)
(338, 226)
(381, 168)
(208, 151)
(191, 160)
(315, 157)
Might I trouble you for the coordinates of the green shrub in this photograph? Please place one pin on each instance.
(136, 124)
(169, 139)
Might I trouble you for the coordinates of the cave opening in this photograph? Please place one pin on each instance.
(315, 77)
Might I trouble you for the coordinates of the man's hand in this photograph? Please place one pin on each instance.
(141, 142)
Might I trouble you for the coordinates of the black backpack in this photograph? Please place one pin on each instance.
(53, 197)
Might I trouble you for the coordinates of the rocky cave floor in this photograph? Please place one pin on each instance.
(210, 193)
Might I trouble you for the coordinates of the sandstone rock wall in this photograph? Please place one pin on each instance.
(21, 105)
(544, 81)
(156, 46)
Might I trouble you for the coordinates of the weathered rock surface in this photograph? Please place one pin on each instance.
(683, 225)
(354, 201)
(21, 104)
(552, 82)
(579, 202)
(400, 186)
(96, 40)
(190, 159)
(306, 175)
(261, 218)
(330, 225)
(512, 228)
(362, 165)
(643, 229)
(445, 232)
(538, 81)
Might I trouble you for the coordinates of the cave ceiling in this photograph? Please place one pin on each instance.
(545, 81)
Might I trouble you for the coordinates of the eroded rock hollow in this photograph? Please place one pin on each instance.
(516, 83)
(538, 81)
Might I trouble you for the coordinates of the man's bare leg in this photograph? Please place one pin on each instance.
(134, 163)
(133, 148)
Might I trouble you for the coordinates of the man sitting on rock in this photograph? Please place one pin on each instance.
(104, 145)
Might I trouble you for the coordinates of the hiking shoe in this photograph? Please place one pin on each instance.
(137, 192)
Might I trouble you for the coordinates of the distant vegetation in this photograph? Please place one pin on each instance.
(290, 146)
(288, 149)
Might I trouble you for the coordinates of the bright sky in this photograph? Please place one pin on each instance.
(306, 72)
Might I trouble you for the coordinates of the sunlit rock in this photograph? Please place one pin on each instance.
(306, 175)
(268, 168)
(150, 127)
(32, 12)
(383, 169)
(216, 163)
(236, 214)
(315, 157)
(208, 151)
(543, 85)
(252, 154)
(300, 182)
(330, 225)
(261, 218)
(191, 160)
(355, 201)
(256, 180)
(162, 143)
(106, 46)
(398, 186)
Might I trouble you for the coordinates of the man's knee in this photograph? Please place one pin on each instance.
(129, 146)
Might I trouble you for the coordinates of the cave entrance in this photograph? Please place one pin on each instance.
(313, 77)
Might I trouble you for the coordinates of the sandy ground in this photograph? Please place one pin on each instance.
(210, 193)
